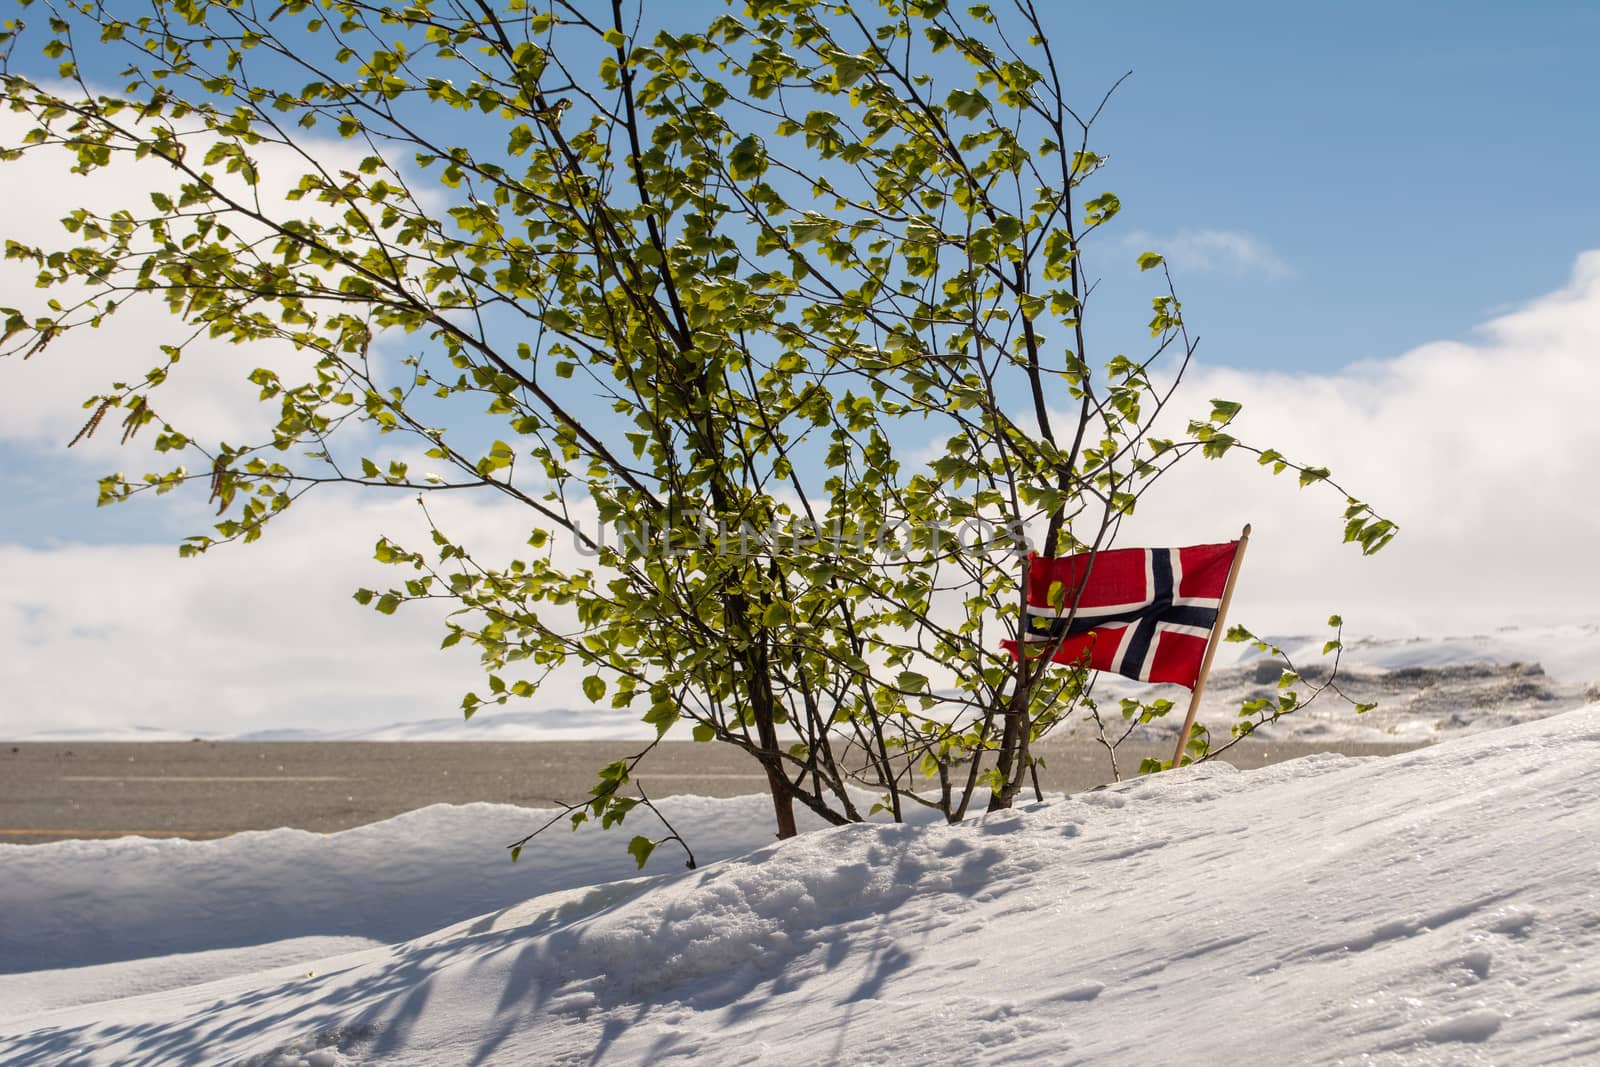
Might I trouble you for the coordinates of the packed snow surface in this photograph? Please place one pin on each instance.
(1440, 907)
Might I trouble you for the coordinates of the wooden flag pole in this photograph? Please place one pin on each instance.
(1211, 647)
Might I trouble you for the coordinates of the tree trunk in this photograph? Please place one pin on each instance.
(1013, 744)
(761, 702)
(782, 800)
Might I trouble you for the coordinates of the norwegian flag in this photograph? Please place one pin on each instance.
(1146, 613)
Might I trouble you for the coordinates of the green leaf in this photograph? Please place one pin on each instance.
(1101, 209)
(747, 160)
(1223, 411)
(1149, 261)
(912, 682)
(1313, 474)
(594, 687)
(969, 104)
(640, 848)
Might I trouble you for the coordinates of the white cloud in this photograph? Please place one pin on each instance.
(208, 395)
(1220, 251)
(1485, 453)
(249, 637)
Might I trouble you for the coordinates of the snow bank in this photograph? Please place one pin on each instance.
(1437, 907)
(89, 902)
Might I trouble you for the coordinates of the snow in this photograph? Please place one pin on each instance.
(1439, 907)
(385, 882)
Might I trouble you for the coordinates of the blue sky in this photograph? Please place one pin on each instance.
(1334, 185)
(1414, 166)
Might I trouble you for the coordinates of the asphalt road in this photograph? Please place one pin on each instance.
(200, 789)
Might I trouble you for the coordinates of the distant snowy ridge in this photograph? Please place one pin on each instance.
(1431, 908)
(1427, 688)
(1568, 654)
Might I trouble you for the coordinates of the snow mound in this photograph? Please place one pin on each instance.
(1436, 907)
(388, 881)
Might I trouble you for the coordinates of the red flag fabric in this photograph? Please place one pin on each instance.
(1145, 613)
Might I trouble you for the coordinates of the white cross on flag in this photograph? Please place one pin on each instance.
(1146, 613)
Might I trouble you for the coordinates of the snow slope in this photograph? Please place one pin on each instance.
(105, 908)
(1441, 907)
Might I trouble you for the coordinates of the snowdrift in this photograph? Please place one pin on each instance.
(1437, 907)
